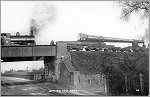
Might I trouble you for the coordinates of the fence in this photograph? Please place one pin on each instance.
(135, 84)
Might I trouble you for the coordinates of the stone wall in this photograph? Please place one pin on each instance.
(82, 68)
(64, 71)
(49, 68)
(65, 76)
(94, 81)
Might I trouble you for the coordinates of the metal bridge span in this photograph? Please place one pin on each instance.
(27, 52)
(36, 52)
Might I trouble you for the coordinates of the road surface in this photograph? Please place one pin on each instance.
(44, 88)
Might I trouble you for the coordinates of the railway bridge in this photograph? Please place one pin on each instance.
(11, 53)
(53, 56)
(58, 64)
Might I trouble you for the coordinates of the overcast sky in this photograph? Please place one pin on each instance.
(64, 20)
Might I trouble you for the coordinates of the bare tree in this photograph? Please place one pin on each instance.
(131, 7)
(135, 7)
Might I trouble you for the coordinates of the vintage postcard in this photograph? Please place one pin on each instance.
(75, 48)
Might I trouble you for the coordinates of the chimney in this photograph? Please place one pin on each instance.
(31, 33)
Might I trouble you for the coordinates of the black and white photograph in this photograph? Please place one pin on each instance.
(75, 48)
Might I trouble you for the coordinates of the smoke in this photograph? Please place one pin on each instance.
(43, 14)
(62, 21)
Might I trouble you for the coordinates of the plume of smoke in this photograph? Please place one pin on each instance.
(42, 15)
(34, 26)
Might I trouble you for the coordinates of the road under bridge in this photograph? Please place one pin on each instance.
(52, 55)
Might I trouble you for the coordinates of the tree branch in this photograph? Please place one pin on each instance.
(129, 6)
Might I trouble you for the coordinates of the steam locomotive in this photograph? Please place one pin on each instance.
(101, 40)
(92, 38)
(8, 39)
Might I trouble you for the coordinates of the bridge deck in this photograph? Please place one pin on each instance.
(28, 51)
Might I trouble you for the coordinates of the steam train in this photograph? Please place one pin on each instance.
(85, 37)
(91, 38)
(8, 39)
(102, 45)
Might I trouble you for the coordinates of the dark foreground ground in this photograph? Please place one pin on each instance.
(11, 86)
(21, 87)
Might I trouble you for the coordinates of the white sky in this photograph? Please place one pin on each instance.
(68, 19)
(71, 18)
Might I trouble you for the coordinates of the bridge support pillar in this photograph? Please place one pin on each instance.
(61, 52)
(64, 71)
(49, 68)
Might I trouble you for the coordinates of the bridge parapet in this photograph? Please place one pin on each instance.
(28, 51)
